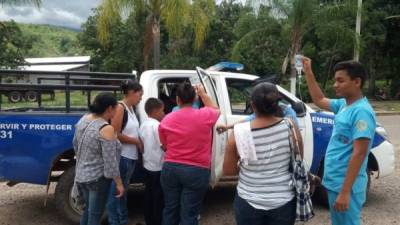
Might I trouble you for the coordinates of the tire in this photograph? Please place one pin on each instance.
(63, 198)
(14, 97)
(31, 96)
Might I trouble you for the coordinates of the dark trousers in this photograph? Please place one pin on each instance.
(154, 200)
(246, 214)
(184, 189)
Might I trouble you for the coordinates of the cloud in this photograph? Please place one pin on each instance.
(70, 13)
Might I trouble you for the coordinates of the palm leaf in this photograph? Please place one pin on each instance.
(176, 14)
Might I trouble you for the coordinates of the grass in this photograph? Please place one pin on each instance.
(77, 99)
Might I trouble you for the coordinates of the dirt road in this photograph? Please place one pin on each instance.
(23, 204)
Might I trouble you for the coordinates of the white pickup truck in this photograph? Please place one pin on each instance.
(231, 91)
(36, 142)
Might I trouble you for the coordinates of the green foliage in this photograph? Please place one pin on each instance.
(13, 44)
(51, 41)
(124, 52)
(323, 30)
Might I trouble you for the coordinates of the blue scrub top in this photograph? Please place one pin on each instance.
(195, 105)
(288, 112)
(352, 122)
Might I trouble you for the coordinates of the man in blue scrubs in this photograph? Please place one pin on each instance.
(345, 170)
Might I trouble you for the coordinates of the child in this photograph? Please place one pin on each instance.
(152, 161)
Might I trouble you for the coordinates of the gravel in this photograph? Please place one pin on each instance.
(24, 203)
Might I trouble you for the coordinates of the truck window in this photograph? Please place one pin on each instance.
(167, 92)
(239, 91)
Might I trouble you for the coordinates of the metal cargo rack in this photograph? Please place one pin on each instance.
(69, 81)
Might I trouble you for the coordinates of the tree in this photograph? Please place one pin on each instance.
(122, 54)
(13, 45)
(175, 14)
(259, 47)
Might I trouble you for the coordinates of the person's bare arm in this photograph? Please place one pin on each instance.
(108, 133)
(116, 122)
(360, 150)
(231, 158)
(316, 93)
(207, 101)
(221, 128)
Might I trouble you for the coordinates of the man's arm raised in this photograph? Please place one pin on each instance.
(316, 93)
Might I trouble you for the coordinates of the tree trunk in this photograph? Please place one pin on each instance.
(371, 81)
(296, 42)
(156, 41)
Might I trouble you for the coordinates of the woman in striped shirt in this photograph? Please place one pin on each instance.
(265, 193)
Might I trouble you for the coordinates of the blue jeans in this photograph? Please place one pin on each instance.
(353, 214)
(117, 207)
(95, 195)
(184, 189)
(245, 214)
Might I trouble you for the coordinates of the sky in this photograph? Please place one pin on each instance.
(66, 13)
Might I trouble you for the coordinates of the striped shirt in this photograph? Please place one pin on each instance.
(266, 183)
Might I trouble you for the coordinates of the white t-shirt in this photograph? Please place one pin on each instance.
(132, 130)
(153, 156)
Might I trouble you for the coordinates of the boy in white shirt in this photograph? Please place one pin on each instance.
(153, 158)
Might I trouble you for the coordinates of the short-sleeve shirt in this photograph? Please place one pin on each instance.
(187, 136)
(153, 156)
(352, 122)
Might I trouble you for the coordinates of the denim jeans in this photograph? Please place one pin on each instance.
(184, 189)
(95, 195)
(153, 199)
(245, 214)
(117, 207)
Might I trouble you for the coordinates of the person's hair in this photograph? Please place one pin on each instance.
(354, 70)
(265, 98)
(101, 102)
(186, 93)
(152, 104)
(130, 85)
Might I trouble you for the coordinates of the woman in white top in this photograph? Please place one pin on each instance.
(126, 123)
(265, 193)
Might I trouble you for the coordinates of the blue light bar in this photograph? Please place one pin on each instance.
(226, 66)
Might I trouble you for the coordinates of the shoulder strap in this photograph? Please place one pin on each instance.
(294, 141)
(124, 117)
(84, 134)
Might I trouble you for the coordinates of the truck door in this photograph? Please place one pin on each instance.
(219, 140)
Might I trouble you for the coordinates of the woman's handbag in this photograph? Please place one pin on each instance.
(300, 176)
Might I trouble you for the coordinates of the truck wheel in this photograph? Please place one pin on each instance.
(14, 97)
(64, 202)
(31, 96)
(321, 194)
